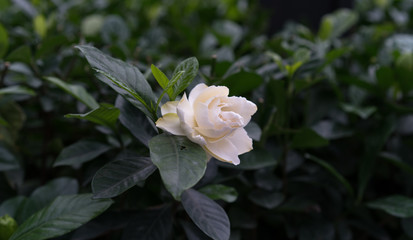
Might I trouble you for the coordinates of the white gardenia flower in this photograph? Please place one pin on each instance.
(211, 119)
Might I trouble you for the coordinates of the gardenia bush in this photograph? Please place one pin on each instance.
(184, 120)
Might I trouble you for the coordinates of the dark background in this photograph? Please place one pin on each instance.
(308, 12)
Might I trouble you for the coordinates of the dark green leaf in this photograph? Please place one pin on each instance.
(63, 215)
(13, 206)
(17, 90)
(206, 214)
(181, 162)
(395, 205)
(189, 67)
(242, 82)
(254, 131)
(373, 145)
(80, 152)
(105, 114)
(150, 225)
(118, 176)
(20, 54)
(266, 199)
(333, 172)
(8, 160)
(114, 30)
(76, 91)
(219, 191)
(363, 112)
(395, 160)
(4, 41)
(307, 138)
(253, 160)
(123, 77)
(407, 225)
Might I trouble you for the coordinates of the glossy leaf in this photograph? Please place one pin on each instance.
(105, 114)
(123, 77)
(395, 205)
(206, 214)
(76, 91)
(189, 67)
(7, 226)
(63, 215)
(17, 90)
(20, 54)
(118, 176)
(40, 25)
(80, 152)
(219, 191)
(135, 121)
(162, 80)
(181, 162)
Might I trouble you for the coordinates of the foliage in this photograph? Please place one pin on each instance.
(82, 82)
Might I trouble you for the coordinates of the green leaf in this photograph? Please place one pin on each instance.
(118, 176)
(396, 161)
(63, 215)
(395, 205)
(242, 82)
(45, 194)
(254, 131)
(373, 145)
(76, 91)
(307, 138)
(162, 79)
(335, 24)
(333, 172)
(80, 152)
(20, 54)
(135, 121)
(4, 41)
(155, 224)
(40, 25)
(17, 90)
(114, 30)
(363, 112)
(8, 160)
(7, 226)
(190, 68)
(266, 199)
(206, 214)
(105, 114)
(181, 162)
(124, 78)
(13, 206)
(256, 159)
(219, 191)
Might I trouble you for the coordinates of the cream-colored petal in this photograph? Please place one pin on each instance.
(211, 92)
(241, 106)
(223, 150)
(201, 114)
(214, 134)
(169, 107)
(186, 113)
(240, 139)
(170, 122)
(198, 89)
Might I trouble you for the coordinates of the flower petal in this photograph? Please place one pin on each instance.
(198, 89)
(188, 124)
(170, 123)
(240, 139)
(241, 106)
(211, 92)
(223, 150)
(169, 107)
